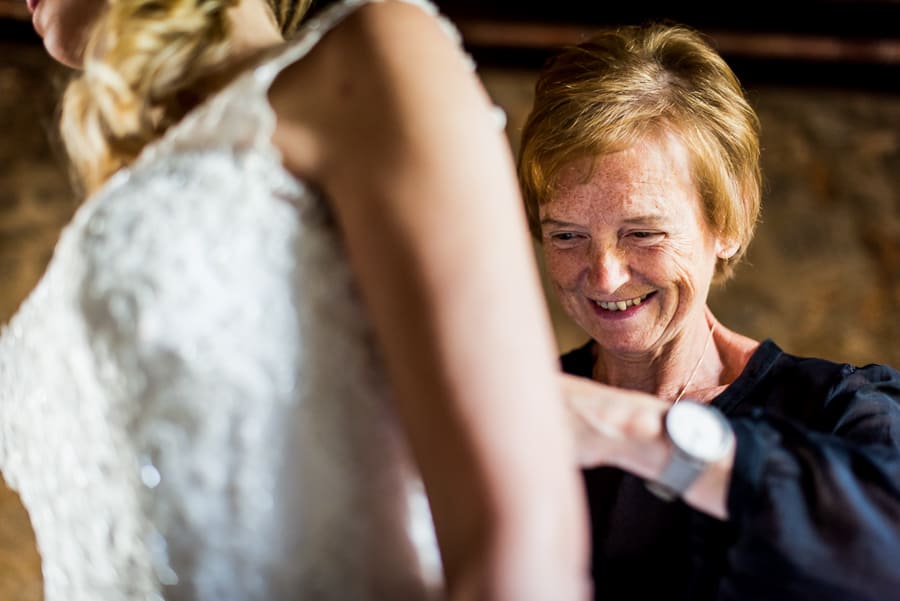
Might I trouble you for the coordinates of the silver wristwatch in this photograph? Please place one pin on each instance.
(700, 435)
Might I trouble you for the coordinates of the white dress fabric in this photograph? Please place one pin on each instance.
(191, 404)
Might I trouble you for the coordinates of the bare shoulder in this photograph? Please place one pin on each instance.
(372, 73)
(372, 39)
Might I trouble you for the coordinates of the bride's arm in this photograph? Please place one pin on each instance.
(387, 119)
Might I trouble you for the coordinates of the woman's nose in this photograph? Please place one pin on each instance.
(608, 272)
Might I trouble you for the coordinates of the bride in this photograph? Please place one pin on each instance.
(264, 362)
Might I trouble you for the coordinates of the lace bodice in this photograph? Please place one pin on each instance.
(191, 406)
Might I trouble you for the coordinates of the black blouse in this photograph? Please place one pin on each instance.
(814, 499)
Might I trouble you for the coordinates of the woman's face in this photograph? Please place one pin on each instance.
(627, 248)
(64, 26)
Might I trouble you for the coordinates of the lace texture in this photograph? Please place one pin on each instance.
(191, 404)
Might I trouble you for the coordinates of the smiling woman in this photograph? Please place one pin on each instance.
(628, 250)
(640, 168)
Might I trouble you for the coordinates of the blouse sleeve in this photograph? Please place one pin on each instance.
(816, 503)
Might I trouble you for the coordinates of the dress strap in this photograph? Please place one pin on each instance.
(239, 116)
(315, 28)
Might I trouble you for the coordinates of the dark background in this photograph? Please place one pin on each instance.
(838, 44)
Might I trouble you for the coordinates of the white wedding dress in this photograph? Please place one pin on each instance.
(191, 404)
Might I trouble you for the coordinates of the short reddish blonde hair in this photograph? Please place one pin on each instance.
(625, 84)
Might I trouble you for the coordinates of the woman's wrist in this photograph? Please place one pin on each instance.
(709, 493)
(644, 446)
(644, 450)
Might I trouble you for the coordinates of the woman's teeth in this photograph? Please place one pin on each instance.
(622, 304)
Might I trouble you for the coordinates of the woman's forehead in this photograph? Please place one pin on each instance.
(650, 175)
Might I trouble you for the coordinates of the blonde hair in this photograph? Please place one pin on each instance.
(141, 60)
(631, 83)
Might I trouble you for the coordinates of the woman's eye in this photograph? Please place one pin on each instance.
(565, 238)
(645, 236)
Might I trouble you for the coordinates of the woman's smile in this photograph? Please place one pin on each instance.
(619, 309)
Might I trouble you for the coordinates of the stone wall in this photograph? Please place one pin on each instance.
(822, 278)
(35, 197)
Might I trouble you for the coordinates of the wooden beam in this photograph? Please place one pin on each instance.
(491, 33)
(757, 45)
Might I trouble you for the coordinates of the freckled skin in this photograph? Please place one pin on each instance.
(620, 227)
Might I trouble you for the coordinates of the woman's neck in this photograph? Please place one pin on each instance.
(253, 29)
(685, 366)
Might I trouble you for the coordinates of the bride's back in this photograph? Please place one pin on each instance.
(198, 332)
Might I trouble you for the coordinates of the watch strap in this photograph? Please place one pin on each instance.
(679, 473)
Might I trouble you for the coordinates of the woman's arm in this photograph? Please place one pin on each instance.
(387, 119)
(624, 429)
(814, 500)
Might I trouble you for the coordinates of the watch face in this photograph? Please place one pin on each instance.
(699, 430)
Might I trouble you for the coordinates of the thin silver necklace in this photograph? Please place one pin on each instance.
(697, 366)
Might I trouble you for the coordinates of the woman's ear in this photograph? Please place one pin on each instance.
(725, 249)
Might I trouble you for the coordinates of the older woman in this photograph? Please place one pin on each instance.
(719, 467)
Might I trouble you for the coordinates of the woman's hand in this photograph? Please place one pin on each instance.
(612, 426)
(623, 428)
